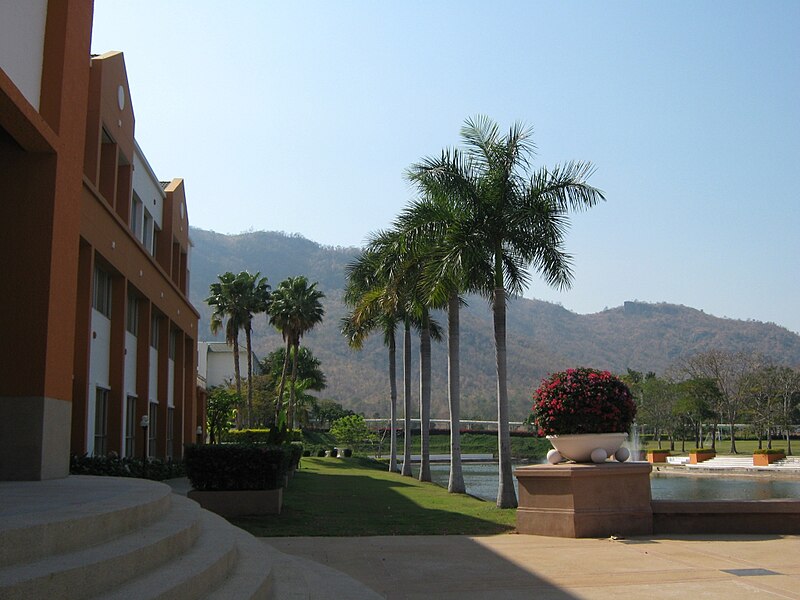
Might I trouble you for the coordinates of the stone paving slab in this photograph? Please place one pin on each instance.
(522, 566)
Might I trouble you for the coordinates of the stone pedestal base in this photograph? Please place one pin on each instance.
(240, 503)
(585, 500)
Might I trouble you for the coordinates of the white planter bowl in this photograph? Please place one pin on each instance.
(582, 447)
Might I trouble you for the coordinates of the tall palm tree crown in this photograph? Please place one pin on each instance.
(398, 265)
(496, 218)
(295, 309)
(235, 299)
(255, 300)
(226, 301)
(373, 308)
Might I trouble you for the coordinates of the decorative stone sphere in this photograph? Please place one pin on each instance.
(599, 455)
(554, 457)
(622, 454)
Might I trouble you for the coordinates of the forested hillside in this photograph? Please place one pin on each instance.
(542, 337)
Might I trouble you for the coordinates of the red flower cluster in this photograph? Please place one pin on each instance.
(583, 401)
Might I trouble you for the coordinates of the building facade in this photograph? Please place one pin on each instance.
(215, 364)
(95, 290)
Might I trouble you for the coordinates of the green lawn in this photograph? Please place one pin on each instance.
(356, 496)
(471, 443)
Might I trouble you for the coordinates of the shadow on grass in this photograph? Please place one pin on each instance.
(346, 498)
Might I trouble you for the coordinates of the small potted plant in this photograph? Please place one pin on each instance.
(585, 413)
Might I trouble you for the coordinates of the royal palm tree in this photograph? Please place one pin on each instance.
(295, 309)
(373, 309)
(442, 281)
(401, 268)
(377, 272)
(508, 217)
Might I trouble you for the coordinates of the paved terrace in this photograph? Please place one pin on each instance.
(521, 566)
(441, 567)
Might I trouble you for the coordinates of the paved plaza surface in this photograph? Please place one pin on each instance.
(523, 566)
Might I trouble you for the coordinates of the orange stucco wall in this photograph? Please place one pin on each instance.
(66, 199)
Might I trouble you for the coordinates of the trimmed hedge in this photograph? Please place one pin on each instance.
(114, 466)
(256, 436)
(770, 451)
(295, 453)
(237, 466)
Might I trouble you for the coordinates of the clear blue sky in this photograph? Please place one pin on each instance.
(301, 117)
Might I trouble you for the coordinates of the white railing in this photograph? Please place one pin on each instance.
(465, 423)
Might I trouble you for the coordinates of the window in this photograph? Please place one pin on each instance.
(154, 330)
(133, 315)
(152, 430)
(100, 422)
(101, 300)
(147, 233)
(136, 216)
(170, 424)
(173, 342)
(156, 231)
(130, 426)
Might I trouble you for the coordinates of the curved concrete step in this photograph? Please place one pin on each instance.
(89, 571)
(42, 518)
(297, 578)
(252, 576)
(123, 539)
(194, 574)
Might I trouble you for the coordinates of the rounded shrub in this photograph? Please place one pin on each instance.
(583, 401)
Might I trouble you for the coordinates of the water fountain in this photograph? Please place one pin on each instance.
(637, 454)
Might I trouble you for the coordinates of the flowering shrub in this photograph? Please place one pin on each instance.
(583, 401)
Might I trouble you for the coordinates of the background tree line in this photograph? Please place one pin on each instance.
(706, 390)
(541, 337)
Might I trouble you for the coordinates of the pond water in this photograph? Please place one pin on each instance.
(481, 481)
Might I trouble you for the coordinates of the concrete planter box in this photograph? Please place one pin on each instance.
(240, 503)
(763, 460)
(585, 500)
(698, 457)
(657, 456)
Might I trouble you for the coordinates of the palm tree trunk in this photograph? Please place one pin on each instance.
(279, 401)
(392, 403)
(248, 340)
(407, 400)
(425, 398)
(292, 390)
(506, 496)
(456, 483)
(237, 375)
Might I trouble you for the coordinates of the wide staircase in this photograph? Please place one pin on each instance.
(790, 462)
(726, 462)
(108, 537)
(746, 462)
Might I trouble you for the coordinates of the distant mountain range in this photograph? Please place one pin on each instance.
(542, 337)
